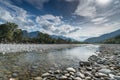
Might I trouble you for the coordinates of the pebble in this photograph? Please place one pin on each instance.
(38, 78)
(77, 78)
(106, 71)
(117, 77)
(63, 77)
(70, 69)
(45, 74)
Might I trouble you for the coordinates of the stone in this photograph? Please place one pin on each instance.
(117, 77)
(57, 71)
(89, 68)
(13, 79)
(63, 78)
(105, 71)
(84, 63)
(88, 78)
(72, 73)
(101, 61)
(14, 75)
(67, 74)
(77, 78)
(45, 74)
(38, 78)
(34, 67)
(79, 74)
(70, 69)
(92, 58)
(111, 76)
(101, 75)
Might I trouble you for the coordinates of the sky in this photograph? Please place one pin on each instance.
(77, 19)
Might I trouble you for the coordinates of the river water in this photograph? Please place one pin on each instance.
(36, 63)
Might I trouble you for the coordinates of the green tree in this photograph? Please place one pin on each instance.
(7, 31)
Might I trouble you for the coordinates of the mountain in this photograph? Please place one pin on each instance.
(115, 40)
(103, 37)
(30, 34)
(62, 37)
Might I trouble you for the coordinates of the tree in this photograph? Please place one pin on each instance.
(7, 31)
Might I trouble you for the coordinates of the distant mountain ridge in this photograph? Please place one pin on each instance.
(103, 37)
(35, 34)
(30, 34)
(62, 37)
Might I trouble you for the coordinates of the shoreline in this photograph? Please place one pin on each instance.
(14, 48)
(104, 66)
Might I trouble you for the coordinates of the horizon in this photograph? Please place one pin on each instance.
(77, 19)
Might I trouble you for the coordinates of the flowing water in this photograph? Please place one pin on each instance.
(38, 62)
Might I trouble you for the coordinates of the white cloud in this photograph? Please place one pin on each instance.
(12, 13)
(5, 15)
(37, 3)
(86, 9)
(100, 20)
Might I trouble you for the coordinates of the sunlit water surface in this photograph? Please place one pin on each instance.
(37, 61)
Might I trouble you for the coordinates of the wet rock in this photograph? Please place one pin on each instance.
(77, 78)
(117, 77)
(13, 79)
(72, 73)
(70, 69)
(67, 74)
(101, 75)
(57, 72)
(85, 63)
(38, 78)
(45, 74)
(105, 71)
(63, 78)
(88, 78)
(34, 67)
(101, 61)
(111, 76)
(14, 75)
(89, 68)
(93, 58)
(79, 74)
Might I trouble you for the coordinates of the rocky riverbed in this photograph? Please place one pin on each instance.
(105, 65)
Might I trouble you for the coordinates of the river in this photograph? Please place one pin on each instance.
(35, 63)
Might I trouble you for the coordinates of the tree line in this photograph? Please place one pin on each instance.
(115, 40)
(10, 33)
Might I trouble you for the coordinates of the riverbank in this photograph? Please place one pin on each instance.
(103, 66)
(13, 48)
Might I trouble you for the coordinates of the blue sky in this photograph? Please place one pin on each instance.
(77, 19)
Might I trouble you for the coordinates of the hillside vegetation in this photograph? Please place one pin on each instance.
(10, 33)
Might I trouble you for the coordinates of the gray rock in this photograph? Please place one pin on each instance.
(105, 71)
(63, 78)
(117, 77)
(38, 78)
(101, 75)
(89, 68)
(77, 78)
(14, 75)
(88, 78)
(85, 63)
(101, 61)
(57, 71)
(45, 74)
(79, 74)
(70, 69)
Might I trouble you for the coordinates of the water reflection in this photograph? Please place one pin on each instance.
(44, 61)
